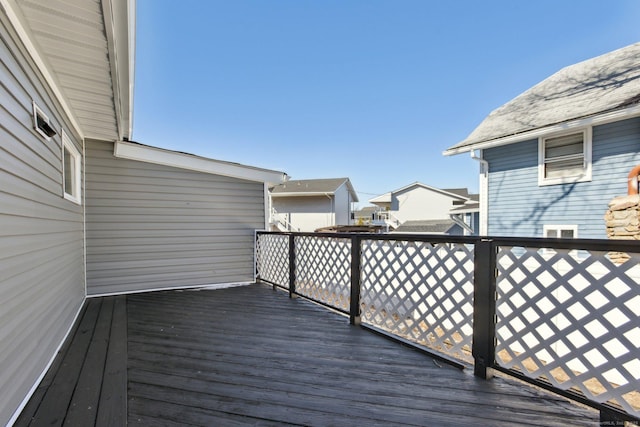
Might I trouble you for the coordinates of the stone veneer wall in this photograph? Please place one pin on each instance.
(623, 222)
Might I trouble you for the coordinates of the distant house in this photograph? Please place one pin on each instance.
(85, 211)
(467, 216)
(307, 205)
(365, 215)
(553, 157)
(420, 202)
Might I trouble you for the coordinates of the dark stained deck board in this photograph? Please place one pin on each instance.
(72, 390)
(86, 395)
(252, 356)
(112, 406)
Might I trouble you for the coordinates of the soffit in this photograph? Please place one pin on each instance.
(71, 39)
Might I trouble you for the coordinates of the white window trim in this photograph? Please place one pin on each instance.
(37, 112)
(559, 227)
(76, 181)
(584, 177)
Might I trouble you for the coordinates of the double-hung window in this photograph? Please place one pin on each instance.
(71, 165)
(565, 158)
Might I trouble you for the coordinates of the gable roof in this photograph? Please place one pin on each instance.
(85, 52)
(464, 192)
(456, 193)
(598, 90)
(383, 198)
(313, 187)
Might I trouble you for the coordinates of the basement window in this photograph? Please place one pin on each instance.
(71, 165)
(560, 231)
(41, 123)
(565, 158)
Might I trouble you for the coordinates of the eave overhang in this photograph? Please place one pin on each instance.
(84, 52)
(577, 123)
(160, 156)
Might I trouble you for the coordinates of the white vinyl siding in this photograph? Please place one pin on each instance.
(565, 158)
(152, 226)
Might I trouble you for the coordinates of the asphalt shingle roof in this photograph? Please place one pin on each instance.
(602, 84)
(426, 226)
(307, 187)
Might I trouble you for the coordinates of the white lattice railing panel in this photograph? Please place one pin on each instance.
(272, 258)
(420, 291)
(323, 269)
(571, 318)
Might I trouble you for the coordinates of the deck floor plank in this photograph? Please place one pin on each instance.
(84, 402)
(251, 356)
(54, 402)
(112, 407)
(253, 353)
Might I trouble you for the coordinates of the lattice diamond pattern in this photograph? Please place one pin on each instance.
(323, 269)
(420, 291)
(571, 317)
(272, 259)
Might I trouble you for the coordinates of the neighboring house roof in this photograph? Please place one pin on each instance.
(313, 187)
(83, 44)
(366, 211)
(383, 198)
(145, 153)
(468, 207)
(598, 90)
(426, 226)
(458, 193)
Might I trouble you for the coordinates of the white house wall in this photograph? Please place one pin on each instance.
(343, 206)
(41, 233)
(306, 213)
(152, 226)
(419, 203)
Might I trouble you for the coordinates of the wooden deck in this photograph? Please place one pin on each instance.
(252, 356)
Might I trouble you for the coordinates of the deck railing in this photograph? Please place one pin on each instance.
(562, 314)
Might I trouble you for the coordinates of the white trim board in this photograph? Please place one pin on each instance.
(160, 156)
(210, 287)
(119, 19)
(576, 124)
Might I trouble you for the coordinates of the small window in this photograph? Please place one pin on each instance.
(561, 231)
(565, 158)
(71, 164)
(41, 123)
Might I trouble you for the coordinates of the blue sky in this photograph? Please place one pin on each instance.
(372, 90)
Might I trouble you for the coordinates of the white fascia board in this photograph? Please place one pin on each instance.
(119, 19)
(10, 9)
(464, 210)
(160, 156)
(596, 120)
(307, 194)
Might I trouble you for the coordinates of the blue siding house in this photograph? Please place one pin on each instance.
(552, 158)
